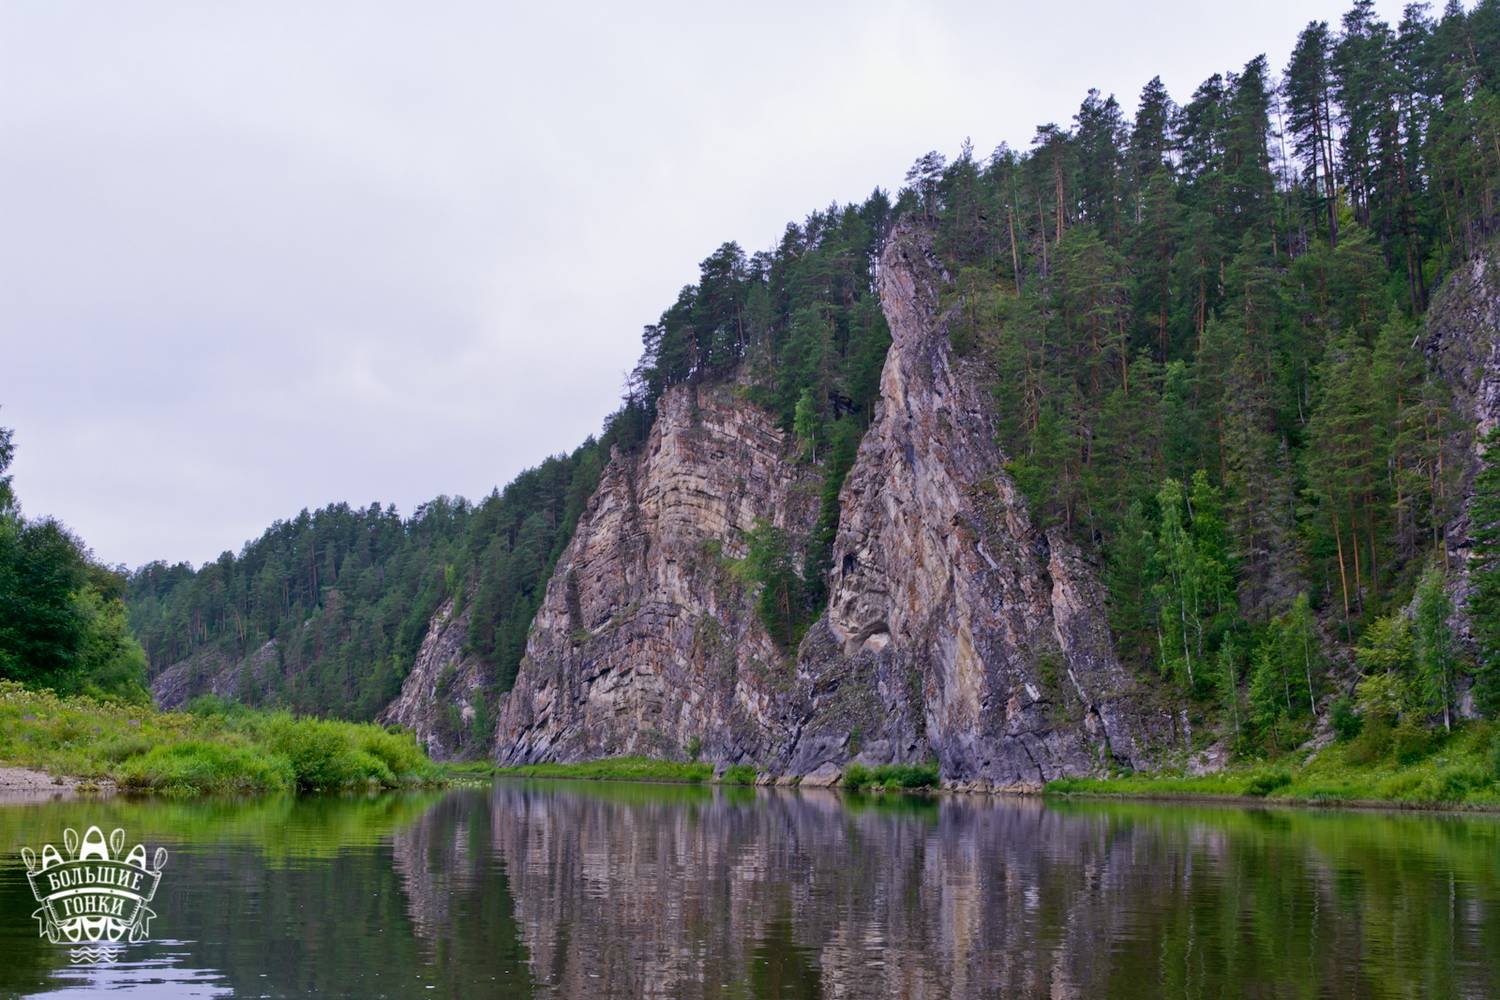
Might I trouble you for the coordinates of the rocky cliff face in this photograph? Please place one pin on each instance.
(442, 700)
(645, 641)
(1463, 341)
(955, 628)
(212, 671)
(1463, 344)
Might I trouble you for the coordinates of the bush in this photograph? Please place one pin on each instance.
(739, 774)
(1264, 784)
(1495, 755)
(858, 777)
(1411, 741)
(694, 747)
(1373, 741)
(330, 755)
(1347, 723)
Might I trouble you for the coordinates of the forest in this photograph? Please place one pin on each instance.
(1203, 326)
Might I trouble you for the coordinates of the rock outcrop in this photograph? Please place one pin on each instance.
(213, 671)
(1463, 342)
(955, 627)
(645, 641)
(444, 698)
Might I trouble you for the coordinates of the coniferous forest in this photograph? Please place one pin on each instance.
(1204, 326)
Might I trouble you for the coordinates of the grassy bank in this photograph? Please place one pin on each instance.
(1457, 770)
(215, 749)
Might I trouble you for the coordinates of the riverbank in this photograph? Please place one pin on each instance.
(217, 749)
(1459, 770)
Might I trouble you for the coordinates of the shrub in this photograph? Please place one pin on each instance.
(1264, 784)
(739, 774)
(857, 777)
(1411, 741)
(907, 775)
(1347, 723)
(1373, 741)
(1495, 755)
(694, 747)
(331, 755)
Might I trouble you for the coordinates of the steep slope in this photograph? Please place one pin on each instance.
(443, 699)
(645, 641)
(1463, 342)
(212, 671)
(955, 628)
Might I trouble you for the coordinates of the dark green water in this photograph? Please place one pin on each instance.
(597, 891)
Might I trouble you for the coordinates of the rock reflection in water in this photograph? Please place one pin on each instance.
(631, 891)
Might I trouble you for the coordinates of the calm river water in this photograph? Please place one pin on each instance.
(588, 890)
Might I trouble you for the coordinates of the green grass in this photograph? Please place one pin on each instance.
(616, 769)
(212, 749)
(886, 777)
(1461, 769)
(738, 774)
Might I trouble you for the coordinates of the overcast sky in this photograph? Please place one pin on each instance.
(264, 256)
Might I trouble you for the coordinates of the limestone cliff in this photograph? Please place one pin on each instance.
(645, 642)
(1462, 339)
(213, 671)
(955, 627)
(444, 698)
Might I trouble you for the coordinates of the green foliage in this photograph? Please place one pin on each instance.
(1264, 784)
(1347, 723)
(1484, 572)
(1438, 769)
(781, 597)
(889, 777)
(1193, 583)
(1288, 667)
(1410, 741)
(215, 748)
(1434, 646)
(347, 593)
(738, 774)
(694, 747)
(1159, 298)
(199, 767)
(62, 623)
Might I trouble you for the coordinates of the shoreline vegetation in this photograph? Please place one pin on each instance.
(211, 749)
(1457, 771)
(216, 748)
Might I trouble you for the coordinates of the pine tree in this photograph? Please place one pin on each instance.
(1436, 652)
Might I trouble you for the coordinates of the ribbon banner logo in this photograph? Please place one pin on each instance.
(97, 896)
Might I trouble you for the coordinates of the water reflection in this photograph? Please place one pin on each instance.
(597, 891)
(801, 895)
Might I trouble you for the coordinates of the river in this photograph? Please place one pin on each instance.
(572, 889)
